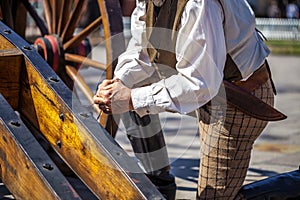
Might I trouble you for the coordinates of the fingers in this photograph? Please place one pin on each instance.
(104, 104)
(103, 95)
(113, 90)
(103, 89)
(104, 92)
(107, 82)
(106, 109)
(101, 100)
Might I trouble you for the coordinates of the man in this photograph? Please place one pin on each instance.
(207, 42)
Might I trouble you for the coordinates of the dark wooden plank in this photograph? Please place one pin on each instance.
(10, 62)
(26, 169)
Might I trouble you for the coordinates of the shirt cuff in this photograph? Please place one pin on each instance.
(143, 102)
(125, 77)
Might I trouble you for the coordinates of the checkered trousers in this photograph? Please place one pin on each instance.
(227, 137)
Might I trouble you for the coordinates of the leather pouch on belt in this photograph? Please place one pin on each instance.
(250, 104)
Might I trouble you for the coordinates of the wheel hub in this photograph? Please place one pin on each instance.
(51, 49)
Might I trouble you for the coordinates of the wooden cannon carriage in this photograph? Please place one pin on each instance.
(44, 141)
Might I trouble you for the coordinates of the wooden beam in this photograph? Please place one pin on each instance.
(81, 146)
(48, 104)
(26, 169)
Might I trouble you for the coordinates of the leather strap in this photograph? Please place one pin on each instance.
(258, 78)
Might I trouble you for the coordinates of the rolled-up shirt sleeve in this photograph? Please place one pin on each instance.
(201, 55)
(134, 65)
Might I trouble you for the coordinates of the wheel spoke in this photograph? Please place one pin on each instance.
(84, 60)
(73, 20)
(48, 14)
(63, 16)
(84, 88)
(54, 15)
(7, 14)
(74, 41)
(39, 22)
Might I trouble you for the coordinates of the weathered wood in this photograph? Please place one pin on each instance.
(26, 169)
(4, 44)
(10, 62)
(84, 145)
(83, 152)
(87, 92)
(61, 19)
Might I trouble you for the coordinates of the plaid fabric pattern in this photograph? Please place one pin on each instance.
(227, 137)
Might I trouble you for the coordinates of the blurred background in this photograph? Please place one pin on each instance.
(278, 149)
(278, 20)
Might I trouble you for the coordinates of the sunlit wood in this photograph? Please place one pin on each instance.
(81, 146)
(104, 118)
(84, 60)
(84, 88)
(61, 19)
(46, 105)
(23, 160)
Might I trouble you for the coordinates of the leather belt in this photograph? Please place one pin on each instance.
(258, 78)
(238, 94)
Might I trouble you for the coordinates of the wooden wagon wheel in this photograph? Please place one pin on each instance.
(59, 45)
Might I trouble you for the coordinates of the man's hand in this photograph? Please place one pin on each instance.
(103, 94)
(113, 97)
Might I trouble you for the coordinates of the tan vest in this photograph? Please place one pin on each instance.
(162, 41)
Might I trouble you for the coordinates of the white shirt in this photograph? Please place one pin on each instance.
(208, 31)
